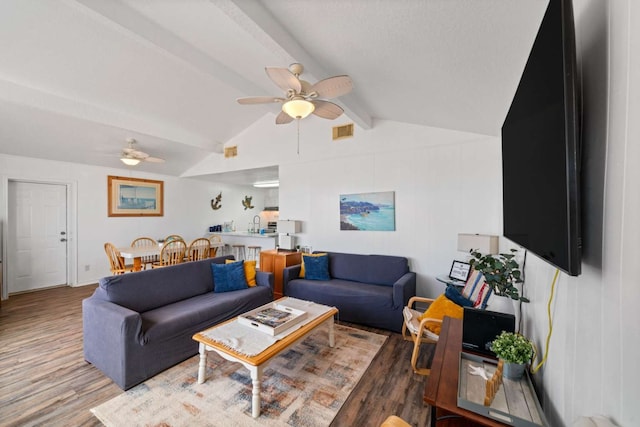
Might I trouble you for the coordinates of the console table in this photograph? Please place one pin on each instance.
(274, 261)
(441, 391)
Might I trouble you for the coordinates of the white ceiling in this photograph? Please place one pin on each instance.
(79, 77)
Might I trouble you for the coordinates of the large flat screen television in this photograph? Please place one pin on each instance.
(541, 147)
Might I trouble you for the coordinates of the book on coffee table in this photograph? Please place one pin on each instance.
(272, 318)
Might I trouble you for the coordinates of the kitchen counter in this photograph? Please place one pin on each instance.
(243, 234)
(265, 241)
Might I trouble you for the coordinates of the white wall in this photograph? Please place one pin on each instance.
(445, 183)
(187, 209)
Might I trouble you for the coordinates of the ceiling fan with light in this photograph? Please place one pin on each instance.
(301, 97)
(131, 156)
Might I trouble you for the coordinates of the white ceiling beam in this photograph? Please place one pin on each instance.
(138, 26)
(37, 98)
(259, 22)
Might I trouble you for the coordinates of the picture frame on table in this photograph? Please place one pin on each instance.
(134, 197)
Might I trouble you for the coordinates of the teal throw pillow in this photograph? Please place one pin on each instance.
(228, 277)
(316, 267)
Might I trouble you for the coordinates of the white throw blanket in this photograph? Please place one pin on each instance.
(249, 341)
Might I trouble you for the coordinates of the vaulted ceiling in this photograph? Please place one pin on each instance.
(79, 77)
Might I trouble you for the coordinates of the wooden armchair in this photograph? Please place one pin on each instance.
(172, 253)
(198, 249)
(144, 242)
(416, 330)
(116, 262)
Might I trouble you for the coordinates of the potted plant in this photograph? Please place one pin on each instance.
(501, 272)
(515, 351)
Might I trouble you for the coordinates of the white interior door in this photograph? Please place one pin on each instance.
(37, 240)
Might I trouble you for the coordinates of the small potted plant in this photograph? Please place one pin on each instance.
(515, 351)
(501, 272)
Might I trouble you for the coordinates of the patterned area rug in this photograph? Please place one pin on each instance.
(305, 385)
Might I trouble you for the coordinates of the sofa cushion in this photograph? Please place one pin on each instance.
(249, 271)
(228, 277)
(192, 315)
(374, 269)
(149, 289)
(316, 267)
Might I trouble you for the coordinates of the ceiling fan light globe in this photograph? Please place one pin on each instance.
(129, 161)
(298, 108)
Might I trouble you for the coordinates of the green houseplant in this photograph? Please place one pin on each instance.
(501, 272)
(515, 350)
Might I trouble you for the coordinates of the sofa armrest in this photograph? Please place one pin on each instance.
(403, 289)
(264, 278)
(110, 331)
(290, 273)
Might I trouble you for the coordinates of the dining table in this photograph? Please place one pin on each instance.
(137, 253)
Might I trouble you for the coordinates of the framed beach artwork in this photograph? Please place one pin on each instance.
(368, 211)
(134, 197)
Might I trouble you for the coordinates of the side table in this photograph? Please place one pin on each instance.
(274, 261)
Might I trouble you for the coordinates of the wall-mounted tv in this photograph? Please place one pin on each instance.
(541, 147)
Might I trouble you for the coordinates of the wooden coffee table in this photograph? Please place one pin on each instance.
(255, 364)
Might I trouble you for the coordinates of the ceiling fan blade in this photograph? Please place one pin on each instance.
(259, 100)
(283, 118)
(326, 109)
(284, 79)
(333, 87)
(139, 154)
(153, 160)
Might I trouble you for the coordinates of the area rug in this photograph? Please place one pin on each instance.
(305, 385)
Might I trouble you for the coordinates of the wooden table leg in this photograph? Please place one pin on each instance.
(256, 373)
(137, 263)
(332, 339)
(203, 363)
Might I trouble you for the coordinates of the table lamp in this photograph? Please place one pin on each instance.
(484, 243)
(286, 229)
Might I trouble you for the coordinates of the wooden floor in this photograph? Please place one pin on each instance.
(44, 380)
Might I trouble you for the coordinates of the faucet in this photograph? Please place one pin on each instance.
(256, 221)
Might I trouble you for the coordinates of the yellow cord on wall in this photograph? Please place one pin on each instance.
(546, 350)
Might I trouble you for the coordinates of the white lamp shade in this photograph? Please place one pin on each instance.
(298, 108)
(289, 227)
(484, 243)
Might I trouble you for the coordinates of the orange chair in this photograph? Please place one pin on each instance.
(116, 262)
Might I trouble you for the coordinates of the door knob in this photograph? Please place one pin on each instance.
(62, 233)
(63, 240)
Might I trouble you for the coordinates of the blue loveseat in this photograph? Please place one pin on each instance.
(367, 289)
(136, 325)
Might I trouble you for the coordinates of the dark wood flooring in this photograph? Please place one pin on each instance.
(44, 380)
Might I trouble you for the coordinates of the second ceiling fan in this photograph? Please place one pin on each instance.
(301, 97)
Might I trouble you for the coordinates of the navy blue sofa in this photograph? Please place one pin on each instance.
(367, 289)
(136, 325)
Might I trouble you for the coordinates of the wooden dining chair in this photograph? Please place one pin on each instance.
(141, 242)
(116, 262)
(215, 242)
(172, 253)
(172, 237)
(198, 249)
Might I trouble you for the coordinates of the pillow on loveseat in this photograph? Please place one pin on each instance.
(302, 269)
(442, 306)
(228, 277)
(316, 266)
